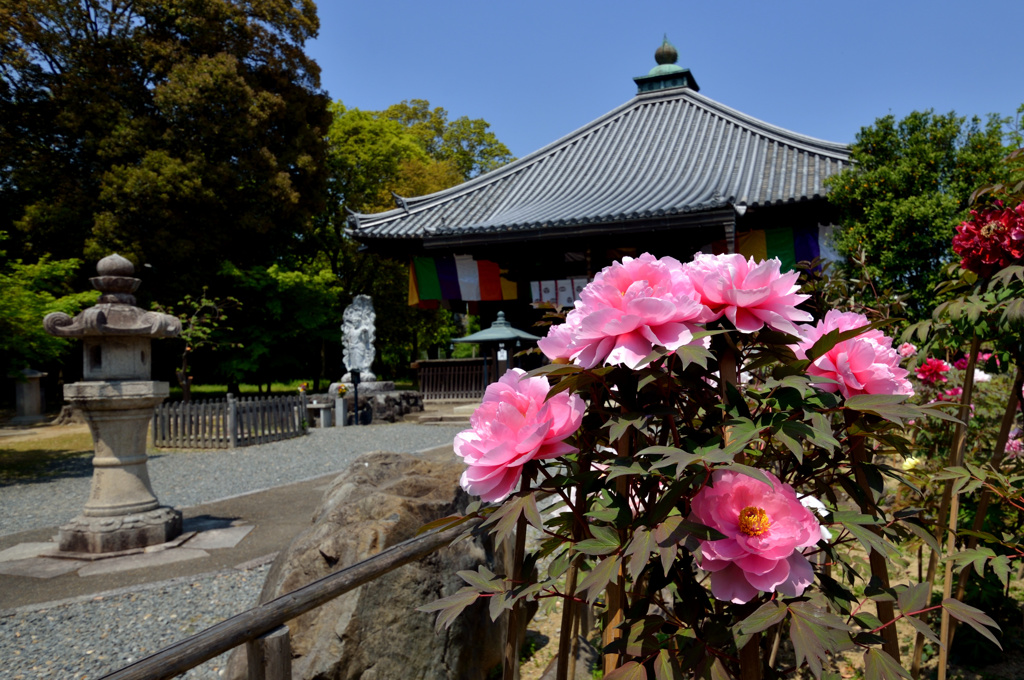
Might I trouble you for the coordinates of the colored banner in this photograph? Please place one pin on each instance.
(426, 278)
(752, 244)
(469, 277)
(779, 243)
(448, 276)
(490, 280)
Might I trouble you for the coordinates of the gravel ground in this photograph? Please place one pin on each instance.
(183, 479)
(93, 636)
(98, 635)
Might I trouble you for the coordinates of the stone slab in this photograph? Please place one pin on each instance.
(39, 567)
(24, 551)
(141, 561)
(219, 538)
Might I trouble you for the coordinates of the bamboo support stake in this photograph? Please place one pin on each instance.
(565, 635)
(956, 459)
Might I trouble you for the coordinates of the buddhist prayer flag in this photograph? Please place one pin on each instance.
(752, 244)
(469, 277)
(779, 243)
(490, 280)
(805, 244)
(448, 276)
(426, 278)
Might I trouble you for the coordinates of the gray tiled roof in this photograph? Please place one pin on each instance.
(661, 154)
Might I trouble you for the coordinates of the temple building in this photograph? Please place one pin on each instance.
(670, 172)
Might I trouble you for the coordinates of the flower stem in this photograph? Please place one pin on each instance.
(953, 502)
(879, 566)
(510, 665)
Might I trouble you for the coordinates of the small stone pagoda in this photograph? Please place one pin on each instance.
(116, 398)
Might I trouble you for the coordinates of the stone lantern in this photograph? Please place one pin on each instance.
(117, 398)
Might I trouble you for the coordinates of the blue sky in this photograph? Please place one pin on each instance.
(538, 70)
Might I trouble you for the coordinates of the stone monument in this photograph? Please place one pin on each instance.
(358, 334)
(116, 398)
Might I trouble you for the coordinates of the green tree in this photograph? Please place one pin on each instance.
(28, 292)
(176, 132)
(464, 142)
(411, 150)
(909, 188)
(202, 320)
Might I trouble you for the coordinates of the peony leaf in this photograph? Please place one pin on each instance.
(444, 523)
(880, 666)
(923, 628)
(694, 354)
(975, 618)
(638, 550)
(815, 634)
(605, 541)
(599, 577)
(888, 406)
(666, 667)
(914, 598)
(767, 615)
(718, 671)
(630, 670)
(484, 580)
(450, 607)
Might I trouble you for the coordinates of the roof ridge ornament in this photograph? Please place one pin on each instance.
(666, 74)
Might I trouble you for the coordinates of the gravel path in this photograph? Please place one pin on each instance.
(183, 479)
(93, 636)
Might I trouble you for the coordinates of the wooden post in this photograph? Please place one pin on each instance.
(232, 422)
(270, 656)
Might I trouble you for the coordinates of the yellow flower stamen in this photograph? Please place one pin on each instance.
(754, 521)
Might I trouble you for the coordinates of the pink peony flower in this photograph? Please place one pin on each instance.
(749, 294)
(625, 311)
(514, 425)
(766, 528)
(932, 370)
(907, 350)
(865, 364)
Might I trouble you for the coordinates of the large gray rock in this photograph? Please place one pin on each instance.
(375, 632)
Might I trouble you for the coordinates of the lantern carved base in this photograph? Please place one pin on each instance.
(86, 534)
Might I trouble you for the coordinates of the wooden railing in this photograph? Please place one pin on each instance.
(229, 423)
(262, 628)
(452, 379)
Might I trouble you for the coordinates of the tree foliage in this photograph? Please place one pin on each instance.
(910, 186)
(178, 133)
(28, 292)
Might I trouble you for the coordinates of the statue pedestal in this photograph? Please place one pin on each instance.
(122, 512)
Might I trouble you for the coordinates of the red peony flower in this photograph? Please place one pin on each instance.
(932, 371)
(992, 239)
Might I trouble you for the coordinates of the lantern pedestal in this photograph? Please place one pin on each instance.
(122, 512)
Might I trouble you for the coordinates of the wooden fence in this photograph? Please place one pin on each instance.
(229, 423)
(262, 628)
(452, 379)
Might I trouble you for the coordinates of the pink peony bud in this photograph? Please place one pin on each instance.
(515, 424)
(907, 350)
(865, 364)
(766, 528)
